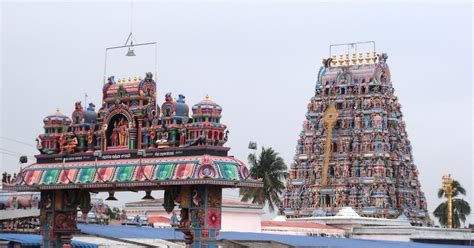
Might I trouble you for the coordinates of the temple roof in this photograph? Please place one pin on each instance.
(105, 175)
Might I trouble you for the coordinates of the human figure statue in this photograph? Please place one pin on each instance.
(115, 134)
(182, 136)
(121, 130)
(62, 143)
(4, 177)
(346, 171)
(378, 121)
(321, 124)
(90, 140)
(318, 173)
(367, 121)
(226, 136)
(357, 122)
(337, 170)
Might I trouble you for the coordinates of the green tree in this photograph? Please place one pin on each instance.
(271, 168)
(113, 213)
(116, 212)
(461, 208)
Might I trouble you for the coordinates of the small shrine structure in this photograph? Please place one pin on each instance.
(133, 144)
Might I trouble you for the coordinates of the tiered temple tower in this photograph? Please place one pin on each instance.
(130, 119)
(354, 149)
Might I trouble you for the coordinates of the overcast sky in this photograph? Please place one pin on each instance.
(259, 61)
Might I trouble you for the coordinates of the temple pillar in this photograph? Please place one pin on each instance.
(98, 141)
(200, 214)
(132, 132)
(172, 136)
(82, 143)
(104, 140)
(58, 214)
(139, 134)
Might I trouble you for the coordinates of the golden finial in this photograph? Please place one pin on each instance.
(140, 78)
(354, 59)
(347, 60)
(135, 79)
(207, 97)
(334, 60)
(367, 58)
(341, 59)
(361, 58)
(129, 79)
(374, 57)
(58, 112)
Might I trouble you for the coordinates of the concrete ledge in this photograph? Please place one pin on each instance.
(411, 233)
(354, 221)
(7, 214)
(387, 230)
(433, 233)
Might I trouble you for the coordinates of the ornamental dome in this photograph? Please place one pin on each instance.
(182, 108)
(207, 107)
(58, 119)
(91, 115)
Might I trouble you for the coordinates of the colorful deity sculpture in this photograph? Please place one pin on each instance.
(131, 143)
(364, 160)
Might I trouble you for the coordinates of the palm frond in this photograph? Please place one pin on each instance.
(460, 208)
(271, 168)
(441, 193)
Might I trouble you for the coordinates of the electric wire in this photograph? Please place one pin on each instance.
(10, 151)
(17, 141)
(9, 154)
(15, 155)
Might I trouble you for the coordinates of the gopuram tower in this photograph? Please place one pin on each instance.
(354, 149)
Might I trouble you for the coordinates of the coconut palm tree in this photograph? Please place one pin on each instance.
(461, 208)
(271, 169)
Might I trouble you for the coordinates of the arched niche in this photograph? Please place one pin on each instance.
(168, 109)
(117, 134)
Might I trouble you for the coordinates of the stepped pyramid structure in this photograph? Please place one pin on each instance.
(354, 149)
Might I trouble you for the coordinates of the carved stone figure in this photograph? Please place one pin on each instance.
(377, 121)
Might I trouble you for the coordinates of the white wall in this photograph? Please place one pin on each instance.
(242, 221)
